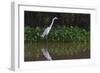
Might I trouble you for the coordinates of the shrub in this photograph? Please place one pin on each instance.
(57, 34)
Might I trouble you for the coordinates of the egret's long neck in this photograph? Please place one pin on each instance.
(52, 23)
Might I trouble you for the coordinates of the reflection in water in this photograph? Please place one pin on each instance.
(57, 50)
(46, 54)
(45, 50)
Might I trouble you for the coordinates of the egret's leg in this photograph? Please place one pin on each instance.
(46, 42)
(46, 38)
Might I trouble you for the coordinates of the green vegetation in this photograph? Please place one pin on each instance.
(57, 34)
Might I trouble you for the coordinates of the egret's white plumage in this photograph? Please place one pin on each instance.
(47, 30)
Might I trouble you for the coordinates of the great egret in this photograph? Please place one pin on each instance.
(45, 34)
(47, 30)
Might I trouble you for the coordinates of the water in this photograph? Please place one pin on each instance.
(57, 50)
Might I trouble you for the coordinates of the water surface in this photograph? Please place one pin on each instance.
(57, 50)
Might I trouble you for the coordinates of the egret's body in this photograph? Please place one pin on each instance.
(45, 34)
(47, 30)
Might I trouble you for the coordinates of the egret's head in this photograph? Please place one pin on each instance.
(55, 18)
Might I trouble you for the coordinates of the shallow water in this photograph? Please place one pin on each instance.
(57, 50)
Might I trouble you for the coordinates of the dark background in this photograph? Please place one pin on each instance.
(43, 19)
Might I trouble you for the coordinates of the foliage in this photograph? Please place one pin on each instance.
(57, 34)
